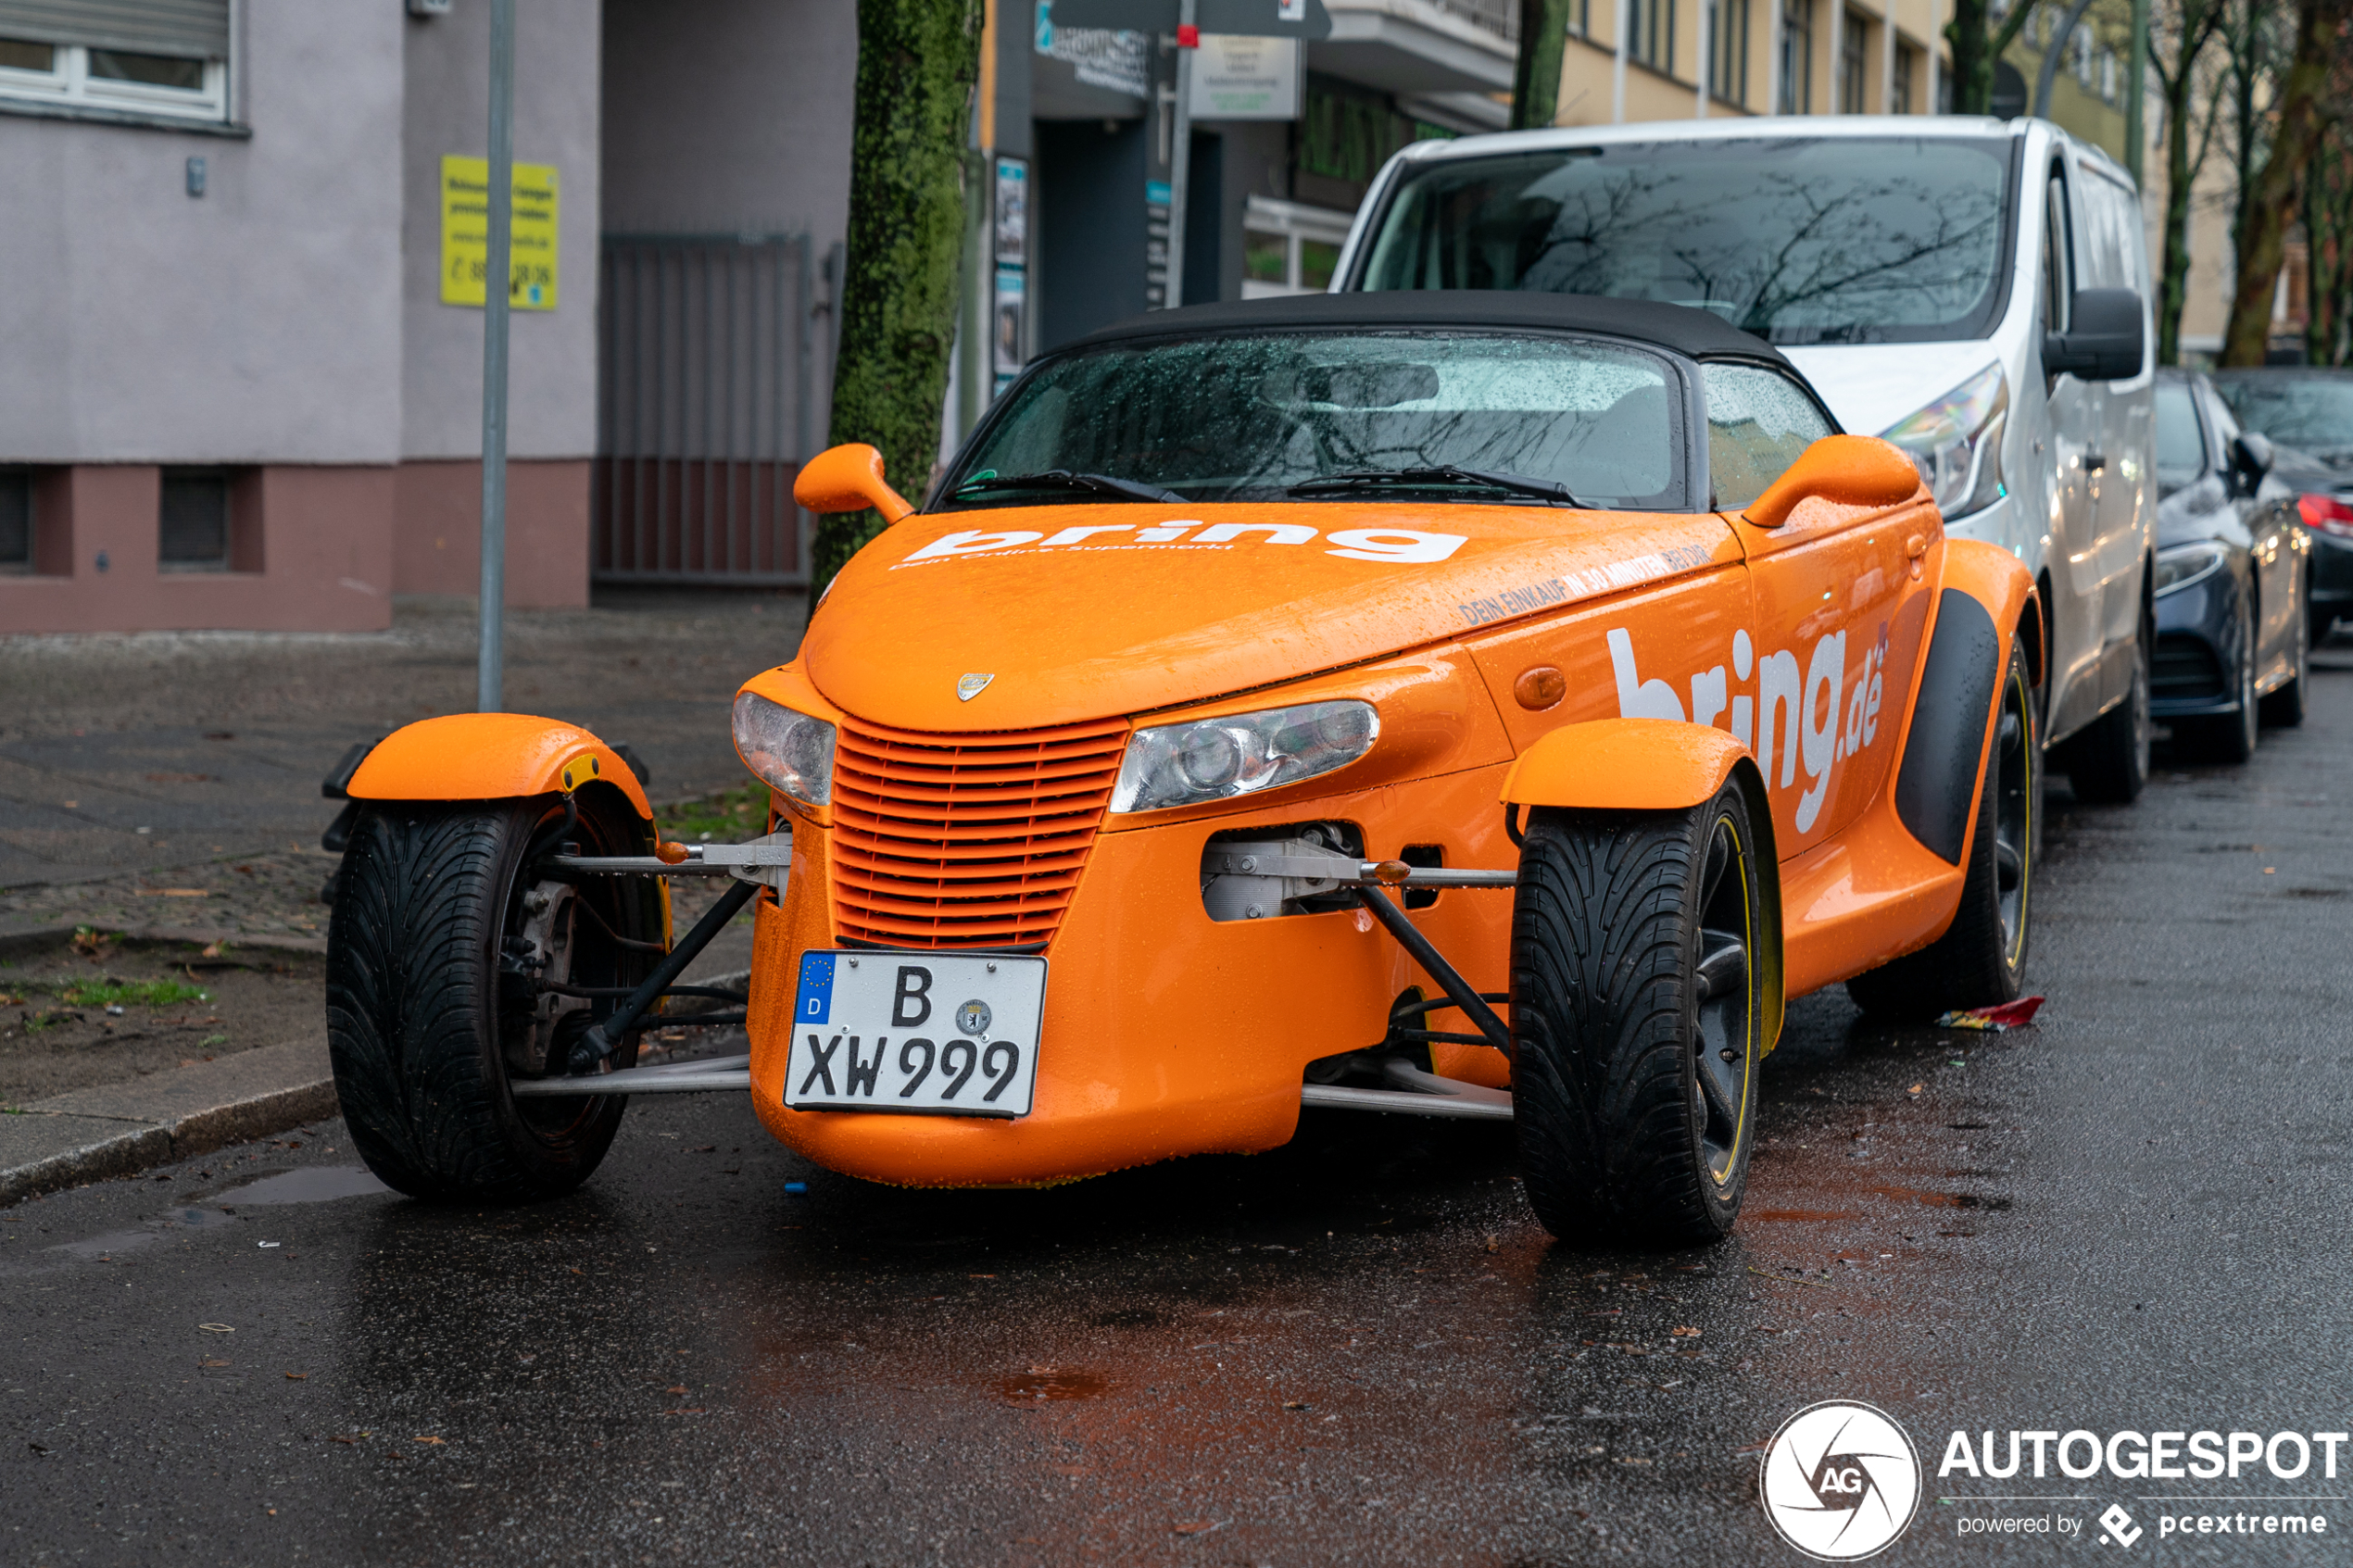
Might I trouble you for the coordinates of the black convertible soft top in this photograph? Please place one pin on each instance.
(1699, 335)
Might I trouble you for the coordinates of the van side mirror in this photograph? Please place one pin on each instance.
(1853, 471)
(849, 479)
(2105, 339)
(2251, 458)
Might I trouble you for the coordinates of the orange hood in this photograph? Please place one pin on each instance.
(1082, 612)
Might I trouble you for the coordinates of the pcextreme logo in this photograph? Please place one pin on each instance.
(1799, 705)
(1840, 1481)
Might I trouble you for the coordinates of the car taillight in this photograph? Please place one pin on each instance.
(2328, 514)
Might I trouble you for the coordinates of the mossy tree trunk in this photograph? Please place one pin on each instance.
(917, 63)
(2267, 202)
(1976, 45)
(1535, 78)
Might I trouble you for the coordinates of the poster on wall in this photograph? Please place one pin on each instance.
(1243, 78)
(465, 234)
(1013, 211)
(1006, 324)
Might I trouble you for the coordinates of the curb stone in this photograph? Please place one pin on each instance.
(114, 1130)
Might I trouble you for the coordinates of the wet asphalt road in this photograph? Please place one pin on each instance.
(1356, 1349)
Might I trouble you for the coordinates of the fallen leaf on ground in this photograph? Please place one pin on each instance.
(436, 1442)
(298, 1377)
(1196, 1526)
(1687, 1334)
(1915, 1089)
(1297, 1405)
(214, 1327)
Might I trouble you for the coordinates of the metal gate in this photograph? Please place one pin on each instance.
(715, 369)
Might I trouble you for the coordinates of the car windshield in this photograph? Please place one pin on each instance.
(1830, 240)
(2314, 413)
(2181, 451)
(1473, 417)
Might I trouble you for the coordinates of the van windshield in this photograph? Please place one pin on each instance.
(1833, 239)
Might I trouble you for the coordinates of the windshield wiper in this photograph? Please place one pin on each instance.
(1062, 479)
(1445, 476)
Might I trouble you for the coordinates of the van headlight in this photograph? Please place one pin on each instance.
(2185, 564)
(789, 751)
(1241, 754)
(1956, 443)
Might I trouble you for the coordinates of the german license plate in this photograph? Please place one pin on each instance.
(929, 1032)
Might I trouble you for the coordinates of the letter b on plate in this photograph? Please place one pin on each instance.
(910, 1001)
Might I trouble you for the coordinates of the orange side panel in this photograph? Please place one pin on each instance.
(491, 757)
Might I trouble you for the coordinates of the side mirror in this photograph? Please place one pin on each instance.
(2251, 458)
(849, 479)
(2105, 339)
(1853, 471)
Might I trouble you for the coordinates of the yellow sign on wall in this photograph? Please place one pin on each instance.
(465, 234)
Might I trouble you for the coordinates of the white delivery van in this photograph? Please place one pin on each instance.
(1974, 290)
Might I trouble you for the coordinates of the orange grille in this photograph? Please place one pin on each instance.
(954, 841)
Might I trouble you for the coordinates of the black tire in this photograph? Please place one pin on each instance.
(1632, 1127)
(422, 1040)
(2108, 763)
(2228, 738)
(1980, 959)
(2283, 706)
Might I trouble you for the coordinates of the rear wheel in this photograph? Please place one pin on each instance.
(442, 943)
(1646, 984)
(2108, 763)
(1980, 959)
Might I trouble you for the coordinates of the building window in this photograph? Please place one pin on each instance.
(1797, 57)
(1853, 49)
(16, 521)
(1728, 50)
(166, 57)
(1580, 19)
(2107, 75)
(1653, 41)
(1289, 247)
(1903, 59)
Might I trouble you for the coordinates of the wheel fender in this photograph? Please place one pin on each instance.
(1624, 765)
(1983, 602)
(492, 757)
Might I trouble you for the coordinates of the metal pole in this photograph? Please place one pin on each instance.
(491, 671)
(2136, 92)
(1180, 154)
(1617, 65)
(1706, 15)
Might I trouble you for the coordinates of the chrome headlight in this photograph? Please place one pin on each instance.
(1241, 754)
(791, 751)
(2185, 564)
(1956, 443)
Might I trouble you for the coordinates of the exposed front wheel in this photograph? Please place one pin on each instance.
(1646, 987)
(1980, 959)
(2229, 738)
(447, 964)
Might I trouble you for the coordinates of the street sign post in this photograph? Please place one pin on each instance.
(490, 667)
(1188, 19)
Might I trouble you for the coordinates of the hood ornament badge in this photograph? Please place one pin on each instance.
(969, 686)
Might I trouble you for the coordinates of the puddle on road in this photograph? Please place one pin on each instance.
(315, 1185)
(1034, 1385)
(319, 1184)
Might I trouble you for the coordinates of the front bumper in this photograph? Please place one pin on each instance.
(2199, 634)
(1165, 1033)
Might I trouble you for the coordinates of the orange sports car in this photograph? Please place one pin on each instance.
(1484, 705)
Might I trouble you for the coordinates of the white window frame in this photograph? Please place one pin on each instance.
(69, 83)
(1294, 222)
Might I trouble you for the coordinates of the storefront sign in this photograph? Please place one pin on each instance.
(1243, 78)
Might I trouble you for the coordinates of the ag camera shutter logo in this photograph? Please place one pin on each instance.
(1840, 1481)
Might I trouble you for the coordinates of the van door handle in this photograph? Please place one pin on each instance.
(2094, 462)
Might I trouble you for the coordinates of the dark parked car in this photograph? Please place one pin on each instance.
(2233, 563)
(2312, 411)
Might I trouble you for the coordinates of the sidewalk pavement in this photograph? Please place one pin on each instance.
(167, 784)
